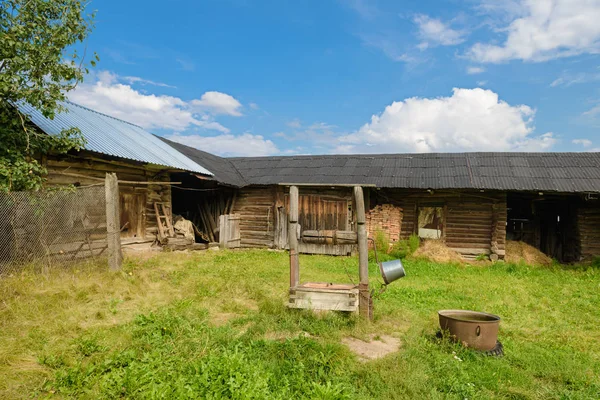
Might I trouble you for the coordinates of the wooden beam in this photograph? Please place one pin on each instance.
(113, 231)
(293, 237)
(363, 255)
(326, 184)
(125, 182)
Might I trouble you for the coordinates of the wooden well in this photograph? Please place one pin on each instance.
(330, 296)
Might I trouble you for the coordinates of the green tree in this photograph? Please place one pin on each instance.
(39, 64)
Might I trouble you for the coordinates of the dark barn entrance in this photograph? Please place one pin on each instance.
(546, 222)
(201, 201)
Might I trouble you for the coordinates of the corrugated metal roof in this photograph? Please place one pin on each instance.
(113, 137)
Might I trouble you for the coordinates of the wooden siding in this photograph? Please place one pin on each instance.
(135, 199)
(263, 216)
(256, 208)
(588, 221)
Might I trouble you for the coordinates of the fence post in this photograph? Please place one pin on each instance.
(113, 231)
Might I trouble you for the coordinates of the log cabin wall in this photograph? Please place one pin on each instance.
(588, 221)
(263, 212)
(473, 223)
(137, 201)
(319, 209)
(256, 208)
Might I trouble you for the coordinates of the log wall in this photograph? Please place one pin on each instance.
(263, 216)
(474, 222)
(588, 221)
(137, 201)
(256, 208)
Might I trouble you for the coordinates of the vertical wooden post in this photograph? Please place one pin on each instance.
(364, 306)
(223, 233)
(113, 221)
(494, 238)
(293, 237)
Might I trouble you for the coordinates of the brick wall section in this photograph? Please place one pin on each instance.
(386, 218)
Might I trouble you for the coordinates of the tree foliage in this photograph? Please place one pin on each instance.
(38, 65)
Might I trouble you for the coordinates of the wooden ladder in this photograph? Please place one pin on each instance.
(165, 226)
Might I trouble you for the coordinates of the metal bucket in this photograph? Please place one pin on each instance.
(391, 270)
(471, 328)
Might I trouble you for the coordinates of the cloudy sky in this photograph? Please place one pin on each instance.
(241, 77)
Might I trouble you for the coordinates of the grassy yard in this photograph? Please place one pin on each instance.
(214, 325)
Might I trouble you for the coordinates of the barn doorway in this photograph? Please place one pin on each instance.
(202, 202)
(548, 223)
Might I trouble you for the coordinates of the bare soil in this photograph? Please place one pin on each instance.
(376, 347)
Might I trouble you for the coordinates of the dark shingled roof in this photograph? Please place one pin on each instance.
(222, 169)
(559, 172)
(549, 172)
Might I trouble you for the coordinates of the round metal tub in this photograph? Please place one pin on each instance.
(471, 328)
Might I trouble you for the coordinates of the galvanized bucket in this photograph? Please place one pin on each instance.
(391, 271)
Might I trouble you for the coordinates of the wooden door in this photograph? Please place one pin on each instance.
(229, 231)
(132, 214)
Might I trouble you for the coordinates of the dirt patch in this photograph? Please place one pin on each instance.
(437, 251)
(376, 347)
(520, 252)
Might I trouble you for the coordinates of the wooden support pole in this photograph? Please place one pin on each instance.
(364, 306)
(113, 217)
(293, 237)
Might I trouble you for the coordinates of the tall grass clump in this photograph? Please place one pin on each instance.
(405, 247)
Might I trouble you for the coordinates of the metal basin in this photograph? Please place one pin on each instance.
(471, 328)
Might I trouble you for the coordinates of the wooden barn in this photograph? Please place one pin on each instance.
(145, 166)
(473, 202)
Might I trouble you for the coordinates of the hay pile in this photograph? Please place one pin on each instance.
(436, 251)
(520, 252)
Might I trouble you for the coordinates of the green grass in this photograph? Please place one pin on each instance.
(214, 325)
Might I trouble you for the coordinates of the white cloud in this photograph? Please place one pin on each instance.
(229, 145)
(253, 106)
(433, 31)
(582, 142)
(366, 9)
(185, 64)
(469, 120)
(136, 79)
(545, 29)
(219, 103)
(569, 78)
(482, 83)
(475, 70)
(295, 123)
(390, 46)
(106, 93)
(592, 112)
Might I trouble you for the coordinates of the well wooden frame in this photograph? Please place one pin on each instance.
(327, 296)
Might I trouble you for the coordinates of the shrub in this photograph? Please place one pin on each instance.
(406, 247)
(382, 242)
(414, 241)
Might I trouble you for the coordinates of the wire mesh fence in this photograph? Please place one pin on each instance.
(52, 228)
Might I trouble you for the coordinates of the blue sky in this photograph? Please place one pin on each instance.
(237, 77)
